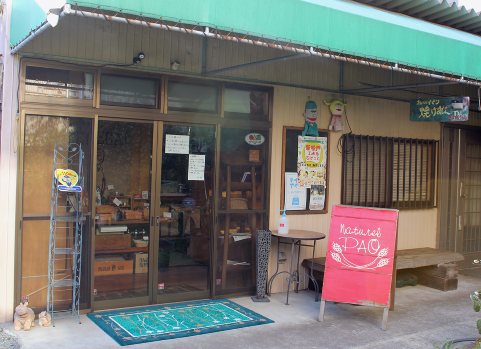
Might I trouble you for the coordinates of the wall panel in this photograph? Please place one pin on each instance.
(368, 116)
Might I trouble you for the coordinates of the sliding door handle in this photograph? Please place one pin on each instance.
(151, 221)
(157, 221)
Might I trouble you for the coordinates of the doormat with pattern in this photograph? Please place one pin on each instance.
(152, 324)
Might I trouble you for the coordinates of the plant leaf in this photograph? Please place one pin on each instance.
(479, 326)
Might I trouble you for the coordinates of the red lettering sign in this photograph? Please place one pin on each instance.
(360, 255)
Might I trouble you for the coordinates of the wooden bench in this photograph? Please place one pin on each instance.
(433, 266)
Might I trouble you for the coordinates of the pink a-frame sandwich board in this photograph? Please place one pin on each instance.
(360, 258)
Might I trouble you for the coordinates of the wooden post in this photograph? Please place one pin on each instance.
(321, 312)
(385, 315)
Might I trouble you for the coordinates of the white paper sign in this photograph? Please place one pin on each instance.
(295, 196)
(176, 144)
(117, 202)
(196, 167)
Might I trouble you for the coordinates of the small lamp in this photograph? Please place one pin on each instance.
(174, 65)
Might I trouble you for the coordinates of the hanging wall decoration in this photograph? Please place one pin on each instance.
(336, 107)
(310, 128)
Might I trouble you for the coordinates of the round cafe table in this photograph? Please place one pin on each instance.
(296, 237)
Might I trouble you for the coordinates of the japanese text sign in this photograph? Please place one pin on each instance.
(311, 161)
(360, 255)
(440, 109)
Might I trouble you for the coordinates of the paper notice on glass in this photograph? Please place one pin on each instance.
(175, 144)
(295, 196)
(318, 197)
(196, 167)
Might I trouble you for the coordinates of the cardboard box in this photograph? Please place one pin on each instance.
(112, 242)
(141, 263)
(112, 265)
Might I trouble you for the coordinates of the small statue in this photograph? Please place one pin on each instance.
(310, 128)
(336, 107)
(44, 319)
(24, 316)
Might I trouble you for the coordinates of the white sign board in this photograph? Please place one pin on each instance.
(175, 144)
(295, 195)
(196, 167)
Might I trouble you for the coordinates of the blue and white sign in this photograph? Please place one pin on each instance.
(295, 196)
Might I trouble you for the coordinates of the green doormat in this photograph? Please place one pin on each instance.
(152, 324)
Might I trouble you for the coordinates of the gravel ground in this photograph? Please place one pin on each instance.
(8, 340)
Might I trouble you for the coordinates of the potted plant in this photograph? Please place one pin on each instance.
(476, 298)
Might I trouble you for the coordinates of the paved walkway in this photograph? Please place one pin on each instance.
(422, 317)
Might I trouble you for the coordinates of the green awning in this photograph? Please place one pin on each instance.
(338, 25)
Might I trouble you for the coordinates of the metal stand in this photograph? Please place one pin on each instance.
(65, 243)
(294, 275)
(263, 247)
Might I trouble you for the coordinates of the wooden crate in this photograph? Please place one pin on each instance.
(104, 209)
(112, 241)
(141, 264)
(112, 265)
(105, 218)
(128, 214)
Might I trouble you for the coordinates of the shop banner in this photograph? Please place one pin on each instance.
(295, 196)
(447, 109)
(311, 161)
(360, 255)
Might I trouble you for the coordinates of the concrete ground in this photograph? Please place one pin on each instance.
(423, 317)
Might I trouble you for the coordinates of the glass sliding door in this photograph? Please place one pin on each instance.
(122, 206)
(184, 213)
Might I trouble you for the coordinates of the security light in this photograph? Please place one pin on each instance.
(139, 57)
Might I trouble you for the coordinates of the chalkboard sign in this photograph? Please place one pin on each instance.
(290, 153)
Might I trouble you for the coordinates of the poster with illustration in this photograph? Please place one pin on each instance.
(311, 161)
(295, 196)
(317, 198)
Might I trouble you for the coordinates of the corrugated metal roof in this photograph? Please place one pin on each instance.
(444, 12)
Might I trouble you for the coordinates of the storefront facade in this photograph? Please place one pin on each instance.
(169, 168)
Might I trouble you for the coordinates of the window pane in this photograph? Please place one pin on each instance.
(58, 84)
(246, 103)
(125, 90)
(190, 97)
(41, 133)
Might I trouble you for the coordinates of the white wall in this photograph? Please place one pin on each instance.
(8, 173)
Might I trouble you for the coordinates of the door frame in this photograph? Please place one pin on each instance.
(452, 187)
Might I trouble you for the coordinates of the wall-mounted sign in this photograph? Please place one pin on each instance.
(255, 139)
(311, 161)
(360, 256)
(253, 155)
(67, 180)
(447, 109)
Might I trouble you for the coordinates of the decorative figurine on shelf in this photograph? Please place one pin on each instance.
(310, 128)
(98, 197)
(24, 316)
(44, 319)
(336, 107)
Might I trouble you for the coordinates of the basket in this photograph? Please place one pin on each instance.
(133, 214)
(238, 204)
(104, 209)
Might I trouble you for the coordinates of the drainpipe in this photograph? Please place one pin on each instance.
(65, 11)
(207, 34)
